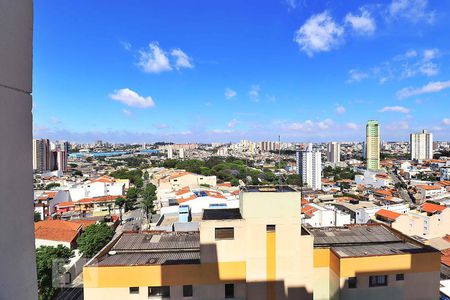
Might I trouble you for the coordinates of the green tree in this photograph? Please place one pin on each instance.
(45, 258)
(94, 238)
(52, 185)
(37, 216)
(120, 202)
(294, 179)
(146, 175)
(170, 163)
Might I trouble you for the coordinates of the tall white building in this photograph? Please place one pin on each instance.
(334, 152)
(421, 144)
(309, 165)
(181, 153)
(169, 152)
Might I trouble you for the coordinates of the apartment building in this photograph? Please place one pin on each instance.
(260, 251)
(421, 144)
(373, 145)
(334, 152)
(309, 165)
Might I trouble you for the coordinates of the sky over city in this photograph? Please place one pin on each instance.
(219, 71)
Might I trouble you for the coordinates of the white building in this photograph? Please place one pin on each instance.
(334, 152)
(169, 152)
(445, 173)
(309, 165)
(421, 144)
(181, 153)
(323, 216)
(102, 186)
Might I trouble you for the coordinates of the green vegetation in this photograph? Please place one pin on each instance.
(94, 238)
(148, 197)
(426, 176)
(135, 176)
(294, 179)
(339, 173)
(120, 202)
(52, 185)
(37, 216)
(445, 153)
(77, 173)
(46, 258)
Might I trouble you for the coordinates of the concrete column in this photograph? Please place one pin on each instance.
(17, 254)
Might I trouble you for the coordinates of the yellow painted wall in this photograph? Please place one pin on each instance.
(271, 265)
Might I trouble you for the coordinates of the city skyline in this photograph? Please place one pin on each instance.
(255, 72)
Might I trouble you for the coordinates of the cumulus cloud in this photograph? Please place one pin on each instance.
(399, 109)
(182, 59)
(432, 87)
(340, 110)
(229, 93)
(154, 60)
(127, 112)
(131, 98)
(412, 10)
(362, 24)
(320, 33)
(309, 125)
(253, 93)
(352, 126)
(446, 121)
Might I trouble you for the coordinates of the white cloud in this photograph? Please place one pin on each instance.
(182, 59)
(221, 131)
(355, 75)
(131, 98)
(127, 112)
(412, 10)
(253, 93)
(352, 126)
(229, 93)
(232, 123)
(154, 60)
(320, 33)
(161, 126)
(340, 110)
(309, 125)
(432, 87)
(400, 125)
(361, 24)
(399, 109)
(446, 121)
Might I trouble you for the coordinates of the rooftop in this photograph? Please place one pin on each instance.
(151, 248)
(268, 188)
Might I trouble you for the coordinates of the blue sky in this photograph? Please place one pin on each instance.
(205, 71)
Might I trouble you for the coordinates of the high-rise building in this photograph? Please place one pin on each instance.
(309, 165)
(61, 160)
(169, 152)
(421, 145)
(334, 152)
(181, 153)
(41, 155)
(373, 145)
(17, 248)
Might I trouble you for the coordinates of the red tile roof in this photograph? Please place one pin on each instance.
(98, 199)
(432, 208)
(84, 223)
(445, 257)
(56, 230)
(308, 210)
(428, 187)
(387, 214)
(65, 204)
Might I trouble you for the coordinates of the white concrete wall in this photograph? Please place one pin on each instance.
(17, 259)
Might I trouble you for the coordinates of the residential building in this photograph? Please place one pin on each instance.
(444, 173)
(334, 152)
(309, 166)
(178, 179)
(260, 251)
(373, 145)
(169, 152)
(430, 192)
(421, 145)
(99, 187)
(323, 216)
(181, 153)
(57, 232)
(18, 259)
(41, 155)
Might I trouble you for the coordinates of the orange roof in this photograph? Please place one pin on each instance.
(304, 201)
(178, 174)
(443, 183)
(383, 192)
(182, 200)
(183, 190)
(428, 187)
(445, 257)
(432, 208)
(98, 199)
(308, 210)
(65, 204)
(104, 179)
(56, 230)
(84, 223)
(387, 214)
(215, 194)
(47, 195)
(225, 184)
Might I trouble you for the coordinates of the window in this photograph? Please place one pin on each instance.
(225, 233)
(352, 282)
(229, 291)
(400, 277)
(270, 228)
(159, 291)
(380, 280)
(187, 291)
(134, 290)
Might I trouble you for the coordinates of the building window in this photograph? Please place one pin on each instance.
(352, 282)
(229, 291)
(159, 291)
(224, 233)
(134, 290)
(270, 228)
(400, 277)
(187, 291)
(380, 280)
